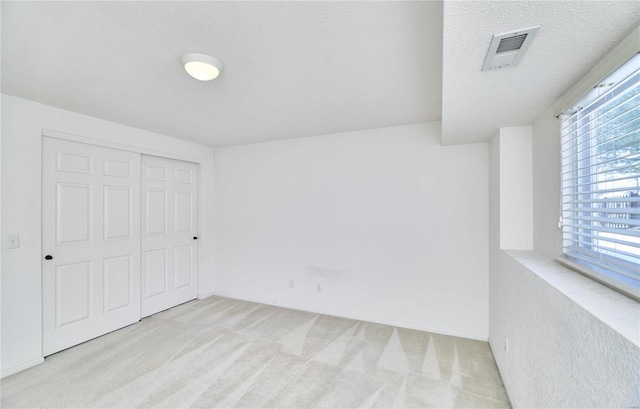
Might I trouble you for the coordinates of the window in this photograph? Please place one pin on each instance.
(601, 180)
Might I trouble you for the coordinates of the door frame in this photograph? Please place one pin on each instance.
(113, 145)
(49, 133)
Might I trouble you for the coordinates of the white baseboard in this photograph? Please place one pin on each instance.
(360, 317)
(22, 367)
(207, 295)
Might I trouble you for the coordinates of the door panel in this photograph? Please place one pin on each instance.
(170, 221)
(90, 225)
(117, 283)
(117, 212)
(75, 162)
(73, 219)
(182, 175)
(155, 211)
(155, 268)
(118, 167)
(182, 265)
(182, 214)
(156, 172)
(73, 293)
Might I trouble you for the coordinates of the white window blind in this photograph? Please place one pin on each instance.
(601, 180)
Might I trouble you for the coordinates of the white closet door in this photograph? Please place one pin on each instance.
(169, 233)
(91, 242)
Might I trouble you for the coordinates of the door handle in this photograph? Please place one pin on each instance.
(48, 257)
(195, 237)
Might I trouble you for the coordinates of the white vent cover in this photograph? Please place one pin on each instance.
(507, 49)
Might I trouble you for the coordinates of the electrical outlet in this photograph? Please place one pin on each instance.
(506, 344)
(13, 241)
(291, 283)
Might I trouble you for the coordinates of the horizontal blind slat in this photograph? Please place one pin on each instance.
(611, 210)
(603, 220)
(630, 122)
(628, 145)
(573, 228)
(599, 191)
(609, 266)
(629, 101)
(629, 177)
(634, 199)
(600, 175)
(632, 77)
(607, 250)
(623, 265)
(588, 236)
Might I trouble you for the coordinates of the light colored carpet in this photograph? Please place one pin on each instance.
(220, 352)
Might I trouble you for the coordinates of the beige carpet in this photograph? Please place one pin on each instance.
(220, 352)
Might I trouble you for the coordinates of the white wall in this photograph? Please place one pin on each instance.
(561, 354)
(571, 341)
(392, 226)
(495, 293)
(516, 191)
(546, 185)
(22, 124)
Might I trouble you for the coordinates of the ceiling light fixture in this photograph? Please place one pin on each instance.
(201, 67)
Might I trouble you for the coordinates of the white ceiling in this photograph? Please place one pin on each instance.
(291, 68)
(302, 68)
(574, 36)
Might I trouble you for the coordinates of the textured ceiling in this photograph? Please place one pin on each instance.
(303, 68)
(574, 36)
(291, 68)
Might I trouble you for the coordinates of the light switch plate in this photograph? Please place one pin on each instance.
(13, 241)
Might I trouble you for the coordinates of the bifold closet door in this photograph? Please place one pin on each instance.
(169, 233)
(90, 241)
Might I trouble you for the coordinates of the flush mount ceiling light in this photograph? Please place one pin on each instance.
(201, 67)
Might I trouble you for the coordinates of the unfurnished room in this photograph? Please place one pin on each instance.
(320, 204)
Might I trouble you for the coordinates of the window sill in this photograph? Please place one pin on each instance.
(620, 313)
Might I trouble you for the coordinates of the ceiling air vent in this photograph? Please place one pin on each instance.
(507, 49)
